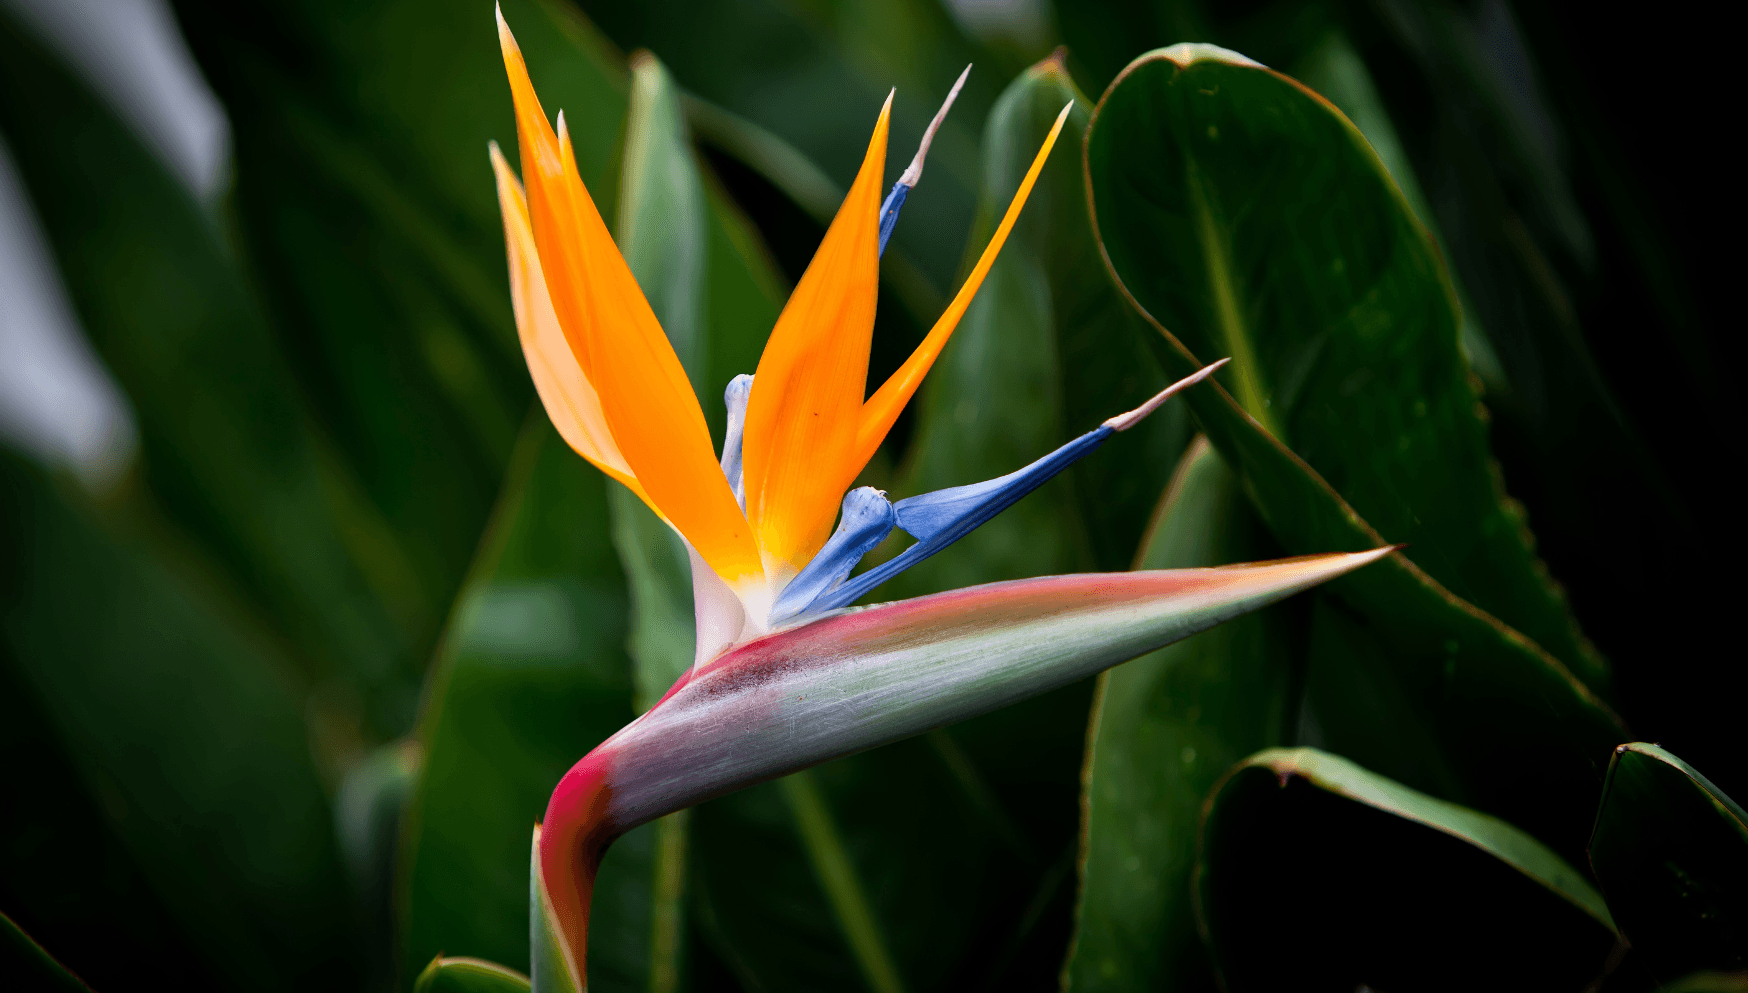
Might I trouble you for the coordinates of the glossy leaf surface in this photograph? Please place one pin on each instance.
(533, 674)
(365, 207)
(223, 815)
(1251, 219)
(1427, 687)
(1164, 728)
(1314, 873)
(230, 455)
(1671, 852)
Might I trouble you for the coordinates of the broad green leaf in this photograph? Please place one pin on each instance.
(1671, 852)
(531, 676)
(469, 975)
(1405, 675)
(1251, 219)
(662, 216)
(69, 873)
(24, 961)
(1335, 71)
(364, 209)
(1100, 364)
(228, 452)
(1315, 873)
(1164, 728)
(176, 716)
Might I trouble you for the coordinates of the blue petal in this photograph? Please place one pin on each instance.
(866, 521)
(889, 211)
(735, 398)
(940, 518)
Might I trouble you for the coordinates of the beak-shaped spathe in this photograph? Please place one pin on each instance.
(869, 676)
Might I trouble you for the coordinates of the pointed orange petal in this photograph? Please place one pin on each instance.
(649, 405)
(806, 403)
(570, 401)
(884, 406)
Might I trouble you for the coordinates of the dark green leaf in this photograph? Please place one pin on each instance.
(1336, 72)
(1671, 852)
(68, 873)
(1313, 873)
(532, 675)
(1348, 344)
(791, 878)
(1164, 728)
(662, 216)
(468, 975)
(364, 208)
(227, 449)
(176, 715)
(1251, 219)
(24, 961)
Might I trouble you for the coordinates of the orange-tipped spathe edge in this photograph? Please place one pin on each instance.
(805, 409)
(884, 406)
(650, 409)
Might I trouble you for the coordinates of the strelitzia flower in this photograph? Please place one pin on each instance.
(785, 675)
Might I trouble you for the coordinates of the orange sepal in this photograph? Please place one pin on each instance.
(648, 401)
(570, 400)
(806, 403)
(884, 406)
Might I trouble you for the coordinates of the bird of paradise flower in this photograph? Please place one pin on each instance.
(786, 674)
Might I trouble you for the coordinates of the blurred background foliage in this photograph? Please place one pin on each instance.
(306, 607)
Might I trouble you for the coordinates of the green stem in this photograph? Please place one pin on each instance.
(666, 907)
(842, 887)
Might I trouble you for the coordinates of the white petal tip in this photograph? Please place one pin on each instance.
(913, 173)
(1123, 422)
